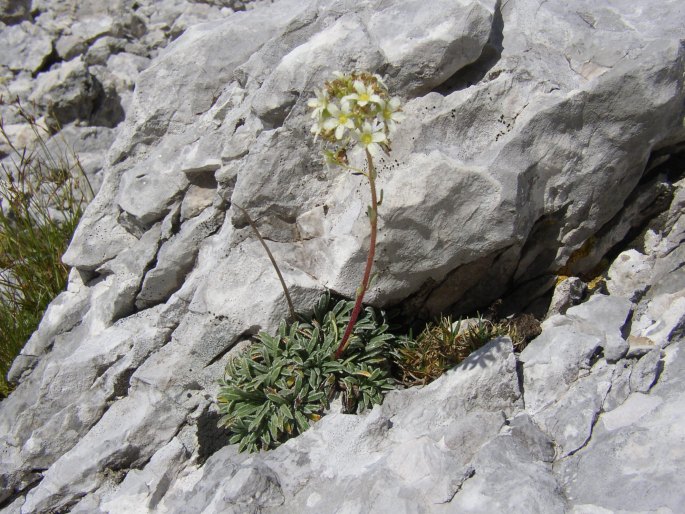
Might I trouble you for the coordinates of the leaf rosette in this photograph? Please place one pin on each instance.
(285, 382)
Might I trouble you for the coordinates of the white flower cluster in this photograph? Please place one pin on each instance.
(355, 110)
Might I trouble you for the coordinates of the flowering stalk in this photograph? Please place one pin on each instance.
(355, 112)
(373, 221)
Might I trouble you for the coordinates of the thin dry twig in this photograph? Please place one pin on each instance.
(291, 307)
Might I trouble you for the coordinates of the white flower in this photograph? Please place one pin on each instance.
(390, 113)
(379, 79)
(316, 130)
(364, 95)
(369, 138)
(341, 119)
(319, 104)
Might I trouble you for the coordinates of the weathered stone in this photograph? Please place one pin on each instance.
(67, 93)
(126, 67)
(567, 347)
(570, 420)
(629, 275)
(647, 200)
(148, 190)
(101, 50)
(222, 291)
(615, 347)
(196, 199)
(646, 372)
(200, 66)
(421, 51)
(635, 450)
(69, 391)
(63, 314)
(535, 139)
(81, 33)
(506, 474)
(602, 314)
(89, 144)
(193, 15)
(124, 437)
(567, 293)
(176, 258)
(24, 47)
(151, 482)
(14, 11)
(99, 237)
(109, 111)
(660, 315)
(662, 320)
(620, 386)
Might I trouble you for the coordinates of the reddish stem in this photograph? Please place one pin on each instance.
(373, 220)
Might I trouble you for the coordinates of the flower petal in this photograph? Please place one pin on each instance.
(339, 131)
(374, 149)
(333, 109)
(378, 137)
(330, 123)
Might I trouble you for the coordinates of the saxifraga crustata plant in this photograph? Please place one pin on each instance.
(355, 112)
(280, 385)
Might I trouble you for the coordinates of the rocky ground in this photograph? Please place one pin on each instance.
(543, 145)
(74, 64)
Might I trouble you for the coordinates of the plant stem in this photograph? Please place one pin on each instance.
(291, 307)
(373, 221)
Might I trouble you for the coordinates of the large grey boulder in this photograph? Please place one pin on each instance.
(634, 450)
(529, 128)
(412, 454)
(24, 47)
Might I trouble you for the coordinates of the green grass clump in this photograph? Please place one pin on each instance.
(439, 347)
(443, 345)
(42, 197)
(283, 383)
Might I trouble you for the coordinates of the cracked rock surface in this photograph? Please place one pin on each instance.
(542, 137)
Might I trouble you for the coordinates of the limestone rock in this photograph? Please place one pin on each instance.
(126, 67)
(14, 11)
(89, 144)
(567, 293)
(67, 93)
(567, 347)
(537, 136)
(80, 34)
(646, 372)
(635, 448)
(176, 258)
(422, 50)
(440, 427)
(101, 50)
(65, 402)
(200, 65)
(24, 47)
(629, 275)
(505, 473)
(660, 315)
(124, 435)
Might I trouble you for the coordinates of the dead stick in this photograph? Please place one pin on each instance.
(273, 261)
